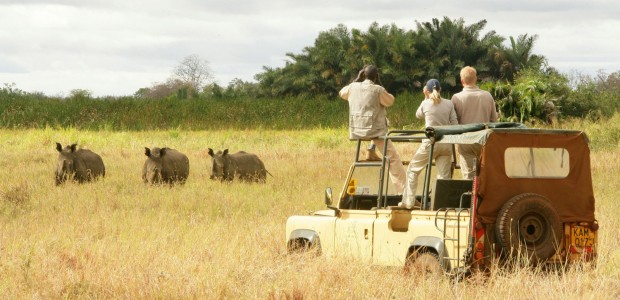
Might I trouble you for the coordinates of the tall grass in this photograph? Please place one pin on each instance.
(118, 238)
(195, 114)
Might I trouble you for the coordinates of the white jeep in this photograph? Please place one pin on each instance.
(531, 202)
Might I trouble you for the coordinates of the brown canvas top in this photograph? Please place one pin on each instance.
(572, 196)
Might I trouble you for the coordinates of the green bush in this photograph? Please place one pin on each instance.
(534, 96)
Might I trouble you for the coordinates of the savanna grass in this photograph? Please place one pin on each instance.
(119, 238)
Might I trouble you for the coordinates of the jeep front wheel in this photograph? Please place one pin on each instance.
(303, 246)
(528, 225)
(423, 263)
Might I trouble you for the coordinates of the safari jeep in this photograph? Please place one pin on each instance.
(531, 202)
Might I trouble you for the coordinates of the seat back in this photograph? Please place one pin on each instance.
(448, 193)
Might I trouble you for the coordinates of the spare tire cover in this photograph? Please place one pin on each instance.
(529, 225)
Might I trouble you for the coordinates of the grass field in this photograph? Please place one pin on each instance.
(117, 238)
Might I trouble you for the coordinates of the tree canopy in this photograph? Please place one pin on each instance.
(406, 58)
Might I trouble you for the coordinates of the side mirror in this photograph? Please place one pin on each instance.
(328, 196)
(329, 201)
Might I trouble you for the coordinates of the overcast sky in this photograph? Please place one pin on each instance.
(115, 47)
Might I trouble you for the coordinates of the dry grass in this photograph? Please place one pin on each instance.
(117, 238)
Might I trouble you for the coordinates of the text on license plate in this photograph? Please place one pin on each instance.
(581, 236)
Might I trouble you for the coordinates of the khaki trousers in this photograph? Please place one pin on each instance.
(397, 170)
(442, 154)
(468, 154)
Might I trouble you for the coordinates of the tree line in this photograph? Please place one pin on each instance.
(406, 58)
(523, 84)
(525, 87)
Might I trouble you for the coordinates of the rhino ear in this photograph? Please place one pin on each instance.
(73, 147)
(58, 147)
(225, 152)
(147, 151)
(211, 152)
(162, 152)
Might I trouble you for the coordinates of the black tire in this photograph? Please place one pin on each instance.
(424, 263)
(301, 246)
(528, 225)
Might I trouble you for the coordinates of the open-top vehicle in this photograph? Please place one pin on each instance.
(531, 201)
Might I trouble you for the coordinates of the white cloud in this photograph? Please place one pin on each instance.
(115, 47)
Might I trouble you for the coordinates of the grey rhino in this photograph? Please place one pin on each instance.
(165, 165)
(78, 165)
(242, 165)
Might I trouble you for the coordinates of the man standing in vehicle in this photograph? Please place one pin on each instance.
(472, 105)
(367, 118)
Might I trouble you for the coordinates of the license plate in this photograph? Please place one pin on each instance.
(581, 237)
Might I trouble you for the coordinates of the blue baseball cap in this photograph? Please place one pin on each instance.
(433, 84)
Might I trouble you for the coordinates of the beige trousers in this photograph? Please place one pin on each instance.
(443, 163)
(397, 170)
(468, 154)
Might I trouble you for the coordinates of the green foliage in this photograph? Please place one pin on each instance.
(337, 56)
(532, 97)
(436, 49)
(444, 47)
(80, 94)
(593, 98)
(129, 113)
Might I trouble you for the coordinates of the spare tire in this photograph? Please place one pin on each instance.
(528, 225)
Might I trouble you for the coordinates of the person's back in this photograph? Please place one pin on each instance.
(367, 115)
(473, 105)
(437, 114)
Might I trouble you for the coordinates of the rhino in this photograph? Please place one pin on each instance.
(165, 165)
(78, 165)
(242, 165)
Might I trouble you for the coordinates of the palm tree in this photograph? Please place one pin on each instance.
(445, 47)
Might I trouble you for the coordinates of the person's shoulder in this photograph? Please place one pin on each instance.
(426, 101)
(447, 101)
(457, 96)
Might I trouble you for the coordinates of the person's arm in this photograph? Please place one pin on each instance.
(420, 112)
(344, 93)
(456, 102)
(453, 119)
(386, 98)
(493, 116)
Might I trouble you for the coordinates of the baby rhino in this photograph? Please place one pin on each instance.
(165, 165)
(78, 165)
(245, 166)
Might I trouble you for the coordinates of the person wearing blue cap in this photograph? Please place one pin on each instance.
(435, 111)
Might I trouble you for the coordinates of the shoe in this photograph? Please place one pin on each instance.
(371, 155)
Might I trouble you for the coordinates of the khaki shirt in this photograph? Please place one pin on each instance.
(367, 114)
(474, 105)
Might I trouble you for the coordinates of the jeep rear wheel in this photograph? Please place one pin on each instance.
(528, 225)
(423, 263)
